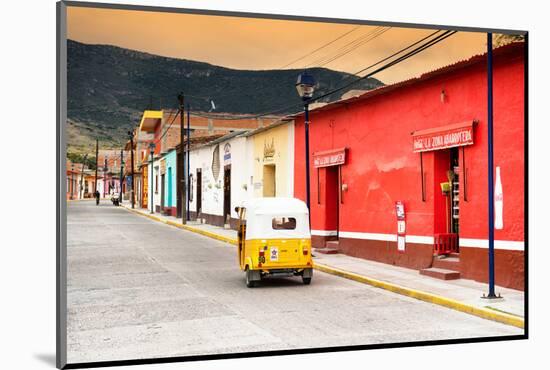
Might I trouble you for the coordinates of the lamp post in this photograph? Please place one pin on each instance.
(131, 135)
(306, 86)
(72, 180)
(187, 178)
(121, 175)
(81, 187)
(183, 185)
(151, 191)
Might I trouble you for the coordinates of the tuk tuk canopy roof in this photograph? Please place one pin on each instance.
(260, 213)
(275, 206)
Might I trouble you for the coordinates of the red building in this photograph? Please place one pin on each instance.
(407, 143)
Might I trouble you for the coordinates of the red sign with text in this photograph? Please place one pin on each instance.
(328, 158)
(443, 137)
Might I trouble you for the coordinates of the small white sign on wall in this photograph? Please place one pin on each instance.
(401, 243)
(401, 227)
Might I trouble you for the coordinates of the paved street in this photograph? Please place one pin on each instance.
(141, 289)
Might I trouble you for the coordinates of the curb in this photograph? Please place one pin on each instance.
(483, 313)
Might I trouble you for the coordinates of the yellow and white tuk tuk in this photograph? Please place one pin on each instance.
(274, 239)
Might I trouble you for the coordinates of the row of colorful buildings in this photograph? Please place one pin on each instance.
(81, 179)
(398, 174)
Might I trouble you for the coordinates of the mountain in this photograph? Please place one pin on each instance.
(109, 87)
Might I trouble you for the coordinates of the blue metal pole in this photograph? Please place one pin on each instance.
(306, 124)
(491, 186)
(188, 161)
(151, 190)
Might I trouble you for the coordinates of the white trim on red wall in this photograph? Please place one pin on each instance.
(511, 245)
(324, 232)
(420, 239)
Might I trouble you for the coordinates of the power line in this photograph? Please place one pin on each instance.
(356, 74)
(167, 129)
(397, 52)
(355, 48)
(347, 48)
(410, 54)
(430, 43)
(319, 48)
(343, 47)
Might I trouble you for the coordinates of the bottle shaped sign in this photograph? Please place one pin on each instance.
(499, 201)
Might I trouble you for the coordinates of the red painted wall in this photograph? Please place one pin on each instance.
(381, 167)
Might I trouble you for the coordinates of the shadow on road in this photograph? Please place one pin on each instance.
(278, 282)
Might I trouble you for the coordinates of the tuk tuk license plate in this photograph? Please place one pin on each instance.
(274, 254)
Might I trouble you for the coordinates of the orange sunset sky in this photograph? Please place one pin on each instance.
(248, 43)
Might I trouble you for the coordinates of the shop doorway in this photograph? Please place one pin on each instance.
(179, 183)
(162, 192)
(226, 194)
(447, 201)
(199, 192)
(332, 198)
(146, 184)
(169, 195)
(269, 181)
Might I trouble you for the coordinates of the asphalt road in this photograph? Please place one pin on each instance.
(141, 289)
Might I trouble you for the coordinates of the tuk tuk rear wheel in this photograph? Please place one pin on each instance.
(249, 282)
(306, 280)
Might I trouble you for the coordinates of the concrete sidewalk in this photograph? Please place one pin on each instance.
(462, 294)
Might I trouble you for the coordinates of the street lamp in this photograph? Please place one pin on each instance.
(306, 86)
(121, 177)
(72, 180)
(152, 151)
(131, 135)
(105, 173)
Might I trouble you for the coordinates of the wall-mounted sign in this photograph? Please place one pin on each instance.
(269, 150)
(328, 158)
(216, 162)
(227, 154)
(449, 136)
(401, 225)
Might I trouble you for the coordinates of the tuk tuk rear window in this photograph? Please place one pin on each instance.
(283, 223)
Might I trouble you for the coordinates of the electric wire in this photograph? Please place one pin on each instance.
(319, 48)
(430, 43)
(346, 50)
(413, 52)
(356, 74)
(168, 128)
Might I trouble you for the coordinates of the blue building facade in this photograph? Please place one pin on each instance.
(170, 184)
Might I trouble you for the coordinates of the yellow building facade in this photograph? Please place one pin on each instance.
(272, 169)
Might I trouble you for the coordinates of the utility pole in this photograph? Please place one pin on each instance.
(188, 159)
(72, 180)
(183, 178)
(306, 125)
(105, 175)
(131, 134)
(121, 175)
(151, 190)
(96, 157)
(82, 175)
